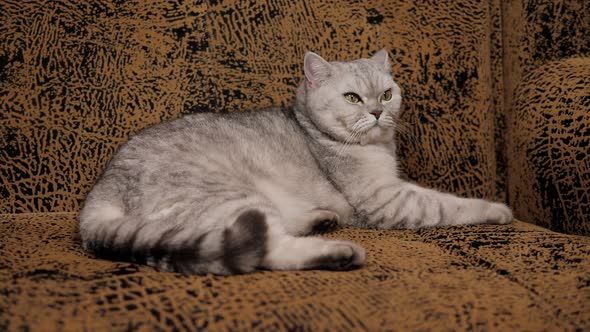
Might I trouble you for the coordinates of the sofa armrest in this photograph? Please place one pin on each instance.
(549, 136)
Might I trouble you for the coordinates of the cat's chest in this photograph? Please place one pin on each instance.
(374, 162)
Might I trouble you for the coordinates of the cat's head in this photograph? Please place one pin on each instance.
(355, 101)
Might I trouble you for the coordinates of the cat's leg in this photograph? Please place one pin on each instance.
(299, 209)
(320, 221)
(314, 221)
(254, 241)
(260, 241)
(287, 252)
(407, 205)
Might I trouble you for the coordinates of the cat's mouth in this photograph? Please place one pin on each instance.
(366, 131)
(364, 125)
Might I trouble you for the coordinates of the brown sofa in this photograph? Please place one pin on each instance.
(496, 105)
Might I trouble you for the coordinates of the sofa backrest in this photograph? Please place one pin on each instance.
(77, 78)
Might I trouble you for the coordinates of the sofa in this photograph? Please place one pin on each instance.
(496, 105)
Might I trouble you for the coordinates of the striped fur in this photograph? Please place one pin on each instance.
(231, 193)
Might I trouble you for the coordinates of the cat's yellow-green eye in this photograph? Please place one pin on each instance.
(386, 96)
(352, 98)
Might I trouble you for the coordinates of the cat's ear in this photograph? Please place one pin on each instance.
(317, 70)
(382, 58)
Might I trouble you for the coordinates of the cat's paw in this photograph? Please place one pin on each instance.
(324, 221)
(340, 256)
(497, 213)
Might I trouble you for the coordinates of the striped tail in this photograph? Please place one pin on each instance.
(237, 249)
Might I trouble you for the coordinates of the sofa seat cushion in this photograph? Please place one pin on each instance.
(512, 277)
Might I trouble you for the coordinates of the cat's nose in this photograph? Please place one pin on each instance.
(376, 113)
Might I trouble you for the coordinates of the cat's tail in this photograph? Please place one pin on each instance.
(239, 248)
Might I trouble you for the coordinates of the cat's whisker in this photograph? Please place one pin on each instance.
(406, 133)
(348, 139)
(340, 154)
(364, 125)
(358, 124)
(388, 121)
(405, 122)
(403, 129)
(353, 135)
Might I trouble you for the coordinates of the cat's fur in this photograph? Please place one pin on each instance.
(231, 193)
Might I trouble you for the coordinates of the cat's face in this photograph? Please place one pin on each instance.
(356, 102)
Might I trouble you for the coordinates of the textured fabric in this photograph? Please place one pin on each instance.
(514, 277)
(496, 53)
(77, 78)
(548, 140)
(550, 129)
(536, 32)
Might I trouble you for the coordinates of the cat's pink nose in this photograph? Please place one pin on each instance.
(377, 114)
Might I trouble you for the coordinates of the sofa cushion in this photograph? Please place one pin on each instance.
(513, 277)
(535, 32)
(549, 147)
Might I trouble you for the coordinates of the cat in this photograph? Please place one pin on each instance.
(237, 192)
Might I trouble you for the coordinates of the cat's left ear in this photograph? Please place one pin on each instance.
(382, 58)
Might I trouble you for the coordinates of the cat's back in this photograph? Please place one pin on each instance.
(258, 139)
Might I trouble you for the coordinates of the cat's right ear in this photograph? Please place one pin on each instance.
(317, 70)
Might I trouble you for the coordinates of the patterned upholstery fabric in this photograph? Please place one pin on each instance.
(546, 102)
(498, 278)
(550, 131)
(78, 77)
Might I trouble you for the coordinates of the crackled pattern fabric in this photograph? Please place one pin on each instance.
(537, 33)
(78, 77)
(550, 168)
(496, 53)
(496, 278)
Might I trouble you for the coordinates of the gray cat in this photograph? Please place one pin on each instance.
(232, 193)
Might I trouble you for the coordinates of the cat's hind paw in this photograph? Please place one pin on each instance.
(339, 256)
(324, 221)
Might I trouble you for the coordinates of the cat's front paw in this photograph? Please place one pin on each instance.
(497, 213)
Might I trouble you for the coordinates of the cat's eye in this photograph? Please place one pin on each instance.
(352, 98)
(385, 96)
